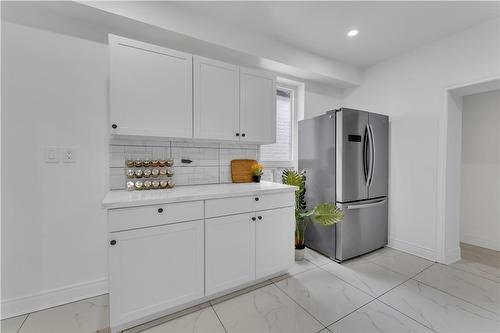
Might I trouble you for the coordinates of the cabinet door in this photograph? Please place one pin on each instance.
(153, 269)
(229, 251)
(257, 106)
(150, 89)
(274, 241)
(216, 100)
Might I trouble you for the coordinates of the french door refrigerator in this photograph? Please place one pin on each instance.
(345, 156)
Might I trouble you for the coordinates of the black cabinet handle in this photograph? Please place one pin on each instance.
(259, 217)
(113, 242)
(237, 134)
(256, 198)
(253, 218)
(160, 210)
(114, 125)
(186, 161)
(242, 134)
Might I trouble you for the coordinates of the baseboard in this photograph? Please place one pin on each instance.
(50, 298)
(414, 249)
(452, 256)
(478, 241)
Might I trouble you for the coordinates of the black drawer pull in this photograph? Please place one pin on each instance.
(243, 134)
(113, 242)
(160, 210)
(259, 217)
(237, 134)
(253, 218)
(114, 126)
(186, 161)
(256, 198)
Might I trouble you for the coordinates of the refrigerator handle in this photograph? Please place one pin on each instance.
(373, 155)
(371, 204)
(365, 155)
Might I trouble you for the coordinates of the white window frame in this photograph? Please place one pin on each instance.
(293, 163)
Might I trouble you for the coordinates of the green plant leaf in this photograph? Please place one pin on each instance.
(296, 178)
(327, 214)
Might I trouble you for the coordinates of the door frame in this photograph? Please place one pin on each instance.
(449, 167)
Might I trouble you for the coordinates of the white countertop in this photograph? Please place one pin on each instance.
(124, 198)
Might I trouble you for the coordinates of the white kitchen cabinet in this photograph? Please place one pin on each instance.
(257, 106)
(229, 251)
(216, 100)
(153, 269)
(150, 90)
(274, 241)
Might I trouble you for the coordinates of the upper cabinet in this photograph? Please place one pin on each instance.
(150, 90)
(216, 100)
(257, 106)
(151, 94)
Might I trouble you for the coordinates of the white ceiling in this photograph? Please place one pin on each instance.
(386, 28)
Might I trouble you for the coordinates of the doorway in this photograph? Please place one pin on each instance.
(468, 194)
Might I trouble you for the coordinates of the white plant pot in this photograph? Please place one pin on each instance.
(299, 254)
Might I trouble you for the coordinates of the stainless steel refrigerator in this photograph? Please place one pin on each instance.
(345, 156)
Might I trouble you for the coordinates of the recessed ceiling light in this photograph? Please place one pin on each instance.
(352, 33)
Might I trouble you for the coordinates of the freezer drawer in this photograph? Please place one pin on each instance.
(363, 229)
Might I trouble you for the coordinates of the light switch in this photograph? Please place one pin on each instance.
(51, 155)
(68, 155)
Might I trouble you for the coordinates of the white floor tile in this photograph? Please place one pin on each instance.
(400, 262)
(440, 311)
(201, 321)
(13, 324)
(84, 316)
(477, 268)
(316, 258)
(323, 295)
(297, 268)
(470, 287)
(377, 317)
(371, 278)
(265, 310)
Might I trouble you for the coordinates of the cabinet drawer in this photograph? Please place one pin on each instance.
(148, 216)
(229, 206)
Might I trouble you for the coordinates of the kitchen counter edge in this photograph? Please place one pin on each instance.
(122, 198)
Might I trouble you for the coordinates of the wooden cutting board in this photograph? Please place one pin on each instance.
(241, 171)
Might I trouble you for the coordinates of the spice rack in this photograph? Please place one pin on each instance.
(149, 174)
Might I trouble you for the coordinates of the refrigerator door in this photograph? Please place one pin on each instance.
(351, 156)
(379, 178)
(363, 229)
(317, 157)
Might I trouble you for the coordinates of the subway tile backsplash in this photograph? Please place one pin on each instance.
(210, 162)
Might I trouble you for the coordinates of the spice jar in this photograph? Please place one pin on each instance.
(130, 186)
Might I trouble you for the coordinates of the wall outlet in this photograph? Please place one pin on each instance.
(68, 155)
(51, 155)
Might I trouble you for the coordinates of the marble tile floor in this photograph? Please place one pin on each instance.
(384, 291)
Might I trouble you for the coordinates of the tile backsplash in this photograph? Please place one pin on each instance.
(211, 162)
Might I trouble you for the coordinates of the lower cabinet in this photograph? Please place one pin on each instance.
(243, 247)
(154, 269)
(274, 241)
(159, 262)
(229, 251)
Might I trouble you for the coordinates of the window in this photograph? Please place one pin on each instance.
(281, 152)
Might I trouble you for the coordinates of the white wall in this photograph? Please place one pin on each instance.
(316, 104)
(480, 199)
(54, 93)
(410, 88)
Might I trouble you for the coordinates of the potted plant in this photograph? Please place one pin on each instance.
(257, 171)
(326, 214)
